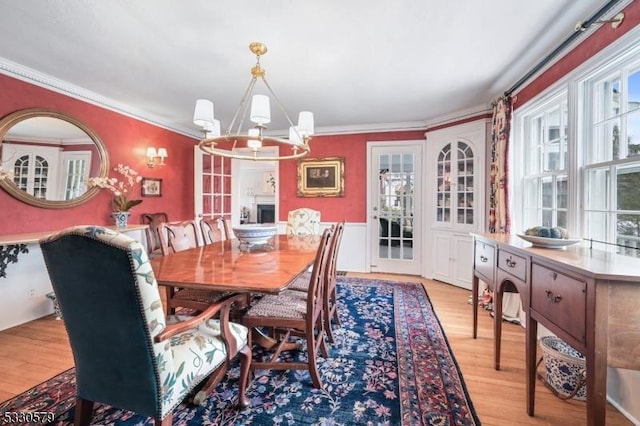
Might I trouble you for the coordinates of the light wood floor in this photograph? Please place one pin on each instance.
(33, 352)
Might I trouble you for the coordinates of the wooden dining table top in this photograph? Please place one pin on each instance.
(223, 266)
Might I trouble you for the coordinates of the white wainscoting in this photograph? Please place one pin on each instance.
(23, 292)
(353, 249)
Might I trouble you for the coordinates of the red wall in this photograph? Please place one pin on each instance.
(353, 148)
(125, 139)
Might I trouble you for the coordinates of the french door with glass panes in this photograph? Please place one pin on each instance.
(395, 170)
(212, 183)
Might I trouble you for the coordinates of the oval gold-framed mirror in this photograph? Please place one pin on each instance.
(51, 155)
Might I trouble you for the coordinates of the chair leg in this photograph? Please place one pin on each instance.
(245, 367)
(331, 315)
(170, 292)
(312, 355)
(83, 413)
(201, 396)
(164, 422)
(334, 307)
(327, 322)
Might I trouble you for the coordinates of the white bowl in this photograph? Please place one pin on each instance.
(254, 233)
(549, 242)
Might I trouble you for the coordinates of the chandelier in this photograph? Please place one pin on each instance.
(259, 113)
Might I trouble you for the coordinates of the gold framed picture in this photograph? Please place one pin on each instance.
(321, 177)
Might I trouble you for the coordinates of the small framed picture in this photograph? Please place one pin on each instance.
(151, 187)
(321, 177)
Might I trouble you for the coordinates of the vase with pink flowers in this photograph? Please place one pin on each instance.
(121, 188)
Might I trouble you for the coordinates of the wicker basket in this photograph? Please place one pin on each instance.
(565, 368)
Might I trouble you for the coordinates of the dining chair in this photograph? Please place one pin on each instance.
(292, 314)
(127, 354)
(303, 221)
(176, 237)
(225, 228)
(330, 308)
(152, 232)
(211, 229)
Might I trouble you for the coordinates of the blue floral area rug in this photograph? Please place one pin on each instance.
(391, 364)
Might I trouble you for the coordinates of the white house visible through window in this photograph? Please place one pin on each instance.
(544, 160)
(612, 156)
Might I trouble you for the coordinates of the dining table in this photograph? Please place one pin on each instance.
(231, 266)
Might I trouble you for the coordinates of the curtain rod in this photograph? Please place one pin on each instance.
(604, 9)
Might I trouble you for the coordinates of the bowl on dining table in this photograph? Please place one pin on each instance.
(254, 233)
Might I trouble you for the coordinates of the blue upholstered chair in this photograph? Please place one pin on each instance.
(127, 353)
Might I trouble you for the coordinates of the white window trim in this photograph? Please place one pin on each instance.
(613, 55)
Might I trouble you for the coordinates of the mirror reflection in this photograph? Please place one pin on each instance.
(51, 156)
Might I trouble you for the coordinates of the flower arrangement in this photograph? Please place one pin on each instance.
(120, 188)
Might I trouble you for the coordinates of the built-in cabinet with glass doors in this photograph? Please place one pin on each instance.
(456, 156)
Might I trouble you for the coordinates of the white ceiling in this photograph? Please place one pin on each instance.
(357, 64)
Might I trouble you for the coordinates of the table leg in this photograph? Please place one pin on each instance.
(474, 303)
(497, 325)
(531, 333)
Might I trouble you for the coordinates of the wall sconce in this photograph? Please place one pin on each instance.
(153, 155)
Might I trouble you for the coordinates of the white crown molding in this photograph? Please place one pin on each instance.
(460, 115)
(371, 128)
(46, 81)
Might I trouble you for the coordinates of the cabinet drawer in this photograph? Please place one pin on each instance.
(513, 264)
(485, 259)
(560, 298)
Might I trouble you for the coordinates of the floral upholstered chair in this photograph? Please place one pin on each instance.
(127, 353)
(303, 221)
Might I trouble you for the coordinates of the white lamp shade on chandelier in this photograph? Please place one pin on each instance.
(216, 143)
(260, 110)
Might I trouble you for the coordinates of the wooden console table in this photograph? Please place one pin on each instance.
(590, 298)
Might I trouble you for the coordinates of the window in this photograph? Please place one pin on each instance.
(576, 153)
(544, 160)
(612, 156)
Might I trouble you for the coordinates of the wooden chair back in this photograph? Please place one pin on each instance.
(213, 230)
(152, 233)
(179, 236)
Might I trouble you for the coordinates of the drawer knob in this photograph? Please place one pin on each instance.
(553, 298)
(483, 259)
(510, 263)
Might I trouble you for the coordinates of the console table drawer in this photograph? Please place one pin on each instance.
(484, 261)
(513, 264)
(560, 298)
